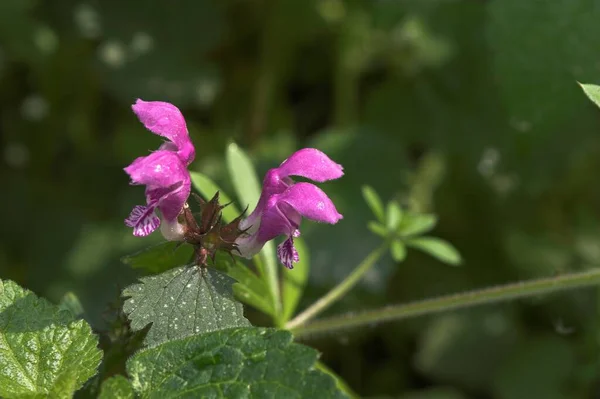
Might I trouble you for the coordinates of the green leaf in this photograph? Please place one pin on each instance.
(437, 248)
(393, 215)
(181, 302)
(247, 188)
(161, 257)
(70, 302)
(378, 228)
(414, 224)
(269, 269)
(339, 382)
(44, 351)
(249, 297)
(592, 91)
(232, 363)
(249, 288)
(372, 199)
(117, 387)
(243, 176)
(208, 188)
(398, 250)
(294, 280)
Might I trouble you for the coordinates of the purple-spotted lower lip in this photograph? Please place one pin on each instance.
(287, 253)
(143, 219)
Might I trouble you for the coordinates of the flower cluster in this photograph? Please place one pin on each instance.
(282, 204)
(163, 172)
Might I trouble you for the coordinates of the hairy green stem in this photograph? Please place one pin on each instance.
(339, 290)
(452, 302)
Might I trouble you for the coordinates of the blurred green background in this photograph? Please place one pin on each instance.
(465, 108)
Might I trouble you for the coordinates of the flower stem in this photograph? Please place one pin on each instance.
(340, 290)
(453, 302)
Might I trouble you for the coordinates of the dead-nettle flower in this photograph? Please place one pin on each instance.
(283, 203)
(163, 172)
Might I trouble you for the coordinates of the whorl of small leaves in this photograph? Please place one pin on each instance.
(44, 352)
(233, 363)
(181, 302)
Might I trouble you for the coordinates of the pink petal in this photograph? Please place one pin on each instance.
(160, 169)
(167, 121)
(312, 164)
(143, 219)
(171, 204)
(167, 181)
(274, 222)
(311, 202)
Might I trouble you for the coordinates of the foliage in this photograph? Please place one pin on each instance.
(181, 302)
(465, 116)
(238, 362)
(44, 351)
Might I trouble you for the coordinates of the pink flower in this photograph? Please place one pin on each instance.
(163, 172)
(283, 203)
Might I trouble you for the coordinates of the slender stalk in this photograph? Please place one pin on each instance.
(453, 302)
(340, 290)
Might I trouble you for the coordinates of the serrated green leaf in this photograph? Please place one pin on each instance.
(393, 215)
(414, 224)
(208, 188)
(377, 228)
(161, 257)
(437, 248)
(294, 280)
(593, 92)
(44, 352)
(232, 363)
(372, 199)
(181, 302)
(117, 387)
(398, 250)
(71, 302)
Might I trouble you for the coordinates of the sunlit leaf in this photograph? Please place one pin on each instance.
(593, 92)
(393, 215)
(71, 302)
(372, 199)
(44, 351)
(117, 387)
(437, 248)
(295, 280)
(415, 224)
(233, 363)
(243, 176)
(181, 302)
(398, 250)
